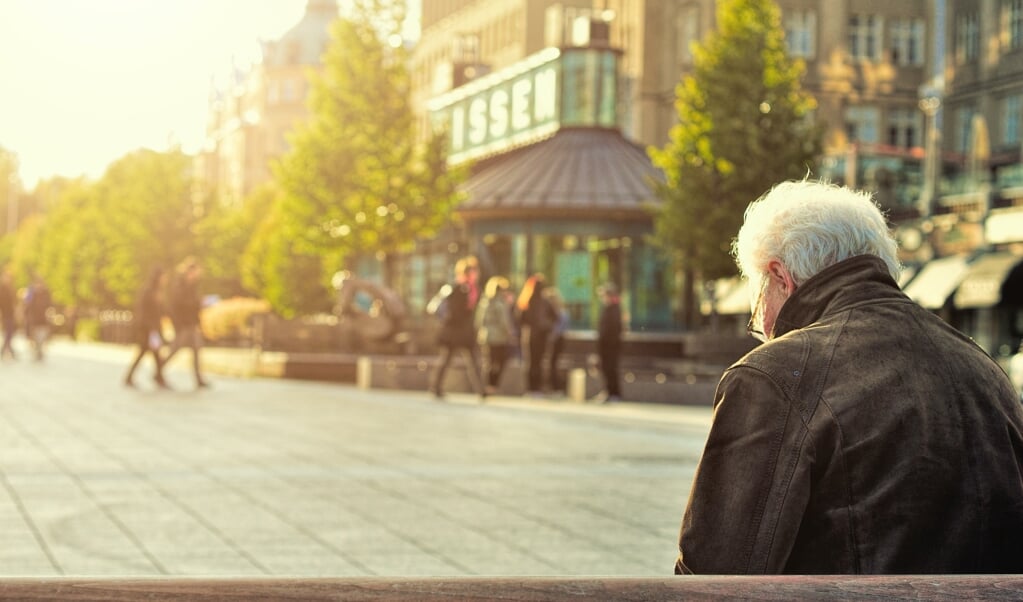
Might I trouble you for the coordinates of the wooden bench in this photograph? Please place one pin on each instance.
(845, 587)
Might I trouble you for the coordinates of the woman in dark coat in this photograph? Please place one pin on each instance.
(148, 332)
(538, 319)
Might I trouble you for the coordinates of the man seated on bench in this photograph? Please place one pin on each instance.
(865, 435)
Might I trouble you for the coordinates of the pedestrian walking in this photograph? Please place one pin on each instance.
(38, 302)
(8, 316)
(537, 318)
(557, 339)
(148, 327)
(865, 435)
(495, 328)
(455, 305)
(185, 306)
(609, 341)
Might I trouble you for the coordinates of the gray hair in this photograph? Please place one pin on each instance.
(809, 226)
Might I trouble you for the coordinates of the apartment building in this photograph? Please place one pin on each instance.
(250, 115)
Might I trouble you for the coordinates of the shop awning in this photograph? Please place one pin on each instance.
(580, 172)
(937, 280)
(982, 284)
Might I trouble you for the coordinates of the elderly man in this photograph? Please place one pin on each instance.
(865, 435)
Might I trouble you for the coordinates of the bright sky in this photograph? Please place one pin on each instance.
(84, 82)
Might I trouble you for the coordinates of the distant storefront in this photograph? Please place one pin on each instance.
(554, 188)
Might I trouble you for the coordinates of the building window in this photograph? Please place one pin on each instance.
(289, 93)
(904, 128)
(964, 128)
(688, 30)
(800, 33)
(907, 38)
(865, 37)
(273, 93)
(967, 43)
(862, 124)
(1012, 23)
(1013, 114)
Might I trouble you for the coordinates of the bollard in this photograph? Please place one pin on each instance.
(363, 372)
(577, 384)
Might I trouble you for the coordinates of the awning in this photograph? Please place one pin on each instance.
(982, 285)
(578, 172)
(934, 284)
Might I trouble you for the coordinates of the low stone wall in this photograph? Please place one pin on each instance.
(650, 381)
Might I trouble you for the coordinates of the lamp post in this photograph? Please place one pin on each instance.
(930, 104)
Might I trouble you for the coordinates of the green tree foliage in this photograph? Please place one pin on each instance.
(96, 242)
(287, 276)
(224, 233)
(356, 182)
(10, 188)
(743, 126)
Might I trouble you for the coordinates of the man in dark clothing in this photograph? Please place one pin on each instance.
(8, 305)
(609, 341)
(865, 435)
(185, 306)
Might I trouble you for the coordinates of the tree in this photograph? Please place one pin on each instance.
(97, 241)
(356, 181)
(743, 126)
(288, 277)
(224, 233)
(10, 188)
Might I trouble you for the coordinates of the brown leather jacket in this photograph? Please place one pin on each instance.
(867, 437)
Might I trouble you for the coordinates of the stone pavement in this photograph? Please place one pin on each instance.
(259, 477)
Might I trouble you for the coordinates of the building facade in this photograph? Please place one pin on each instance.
(967, 245)
(250, 115)
(866, 61)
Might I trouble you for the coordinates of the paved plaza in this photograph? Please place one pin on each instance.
(260, 477)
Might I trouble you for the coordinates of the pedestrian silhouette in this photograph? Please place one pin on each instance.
(148, 332)
(454, 304)
(557, 338)
(537, 318)
(8, 307)
(495, 328)
(609, 342)
(185, 306)
(37, 321)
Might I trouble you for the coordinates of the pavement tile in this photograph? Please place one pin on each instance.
(272, 477)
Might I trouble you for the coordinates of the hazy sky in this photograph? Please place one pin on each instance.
(84, 82)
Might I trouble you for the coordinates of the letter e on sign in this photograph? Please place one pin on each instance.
(520, 104)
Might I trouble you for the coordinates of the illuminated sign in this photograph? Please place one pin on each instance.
(528, 101)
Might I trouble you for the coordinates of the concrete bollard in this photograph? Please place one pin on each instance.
(577, 384)
(363, 372)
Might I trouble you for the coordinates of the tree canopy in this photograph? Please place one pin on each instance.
(743, 125)
(356, 181)
(96, 241)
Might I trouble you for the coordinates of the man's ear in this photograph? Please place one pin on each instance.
(777, 271)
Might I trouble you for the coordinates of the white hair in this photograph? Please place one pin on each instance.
(809, 226)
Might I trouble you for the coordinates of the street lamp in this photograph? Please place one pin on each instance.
(930, 104)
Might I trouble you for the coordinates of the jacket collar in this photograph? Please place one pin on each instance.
(837, 287)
